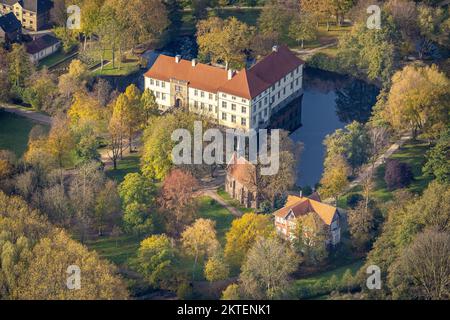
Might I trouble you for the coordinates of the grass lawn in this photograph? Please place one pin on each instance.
(128, 164)
(210, 209)
(249, 16)
(323, 37)
(233, 202)
(14, 131)
(413, 154)
(117, 250)
(54, 59)
(309, 283)
(126, 68)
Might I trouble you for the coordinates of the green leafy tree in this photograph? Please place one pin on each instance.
(438, 163)
(157, 261)
(138, 198)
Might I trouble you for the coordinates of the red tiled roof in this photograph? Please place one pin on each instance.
(245, 83)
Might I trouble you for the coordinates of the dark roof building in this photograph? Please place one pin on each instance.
(42, 47)
(10, 28)
(32, 14)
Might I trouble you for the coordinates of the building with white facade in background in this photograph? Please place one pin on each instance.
(242, 99)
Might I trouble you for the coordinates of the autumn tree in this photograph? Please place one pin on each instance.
(149, 105)
(224, 40)
(302, 29)
(275, 18)
(133, 112)
(177, 200)
(5, 85)
(41, 90)
(107, 211)
(200, 240)
(232, 292)
(310, 239)
(418, 101)
(156, 161)
(422, 271)
(267, 268)
(242, 235)
(20, 69)
(406, 217)
(83, 191)
(361, 224)
(335, 177)
(216, 268)
(35, 257)
(157, 260)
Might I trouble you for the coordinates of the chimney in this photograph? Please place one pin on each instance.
(275, 48)
(230, 74)
(177, 58)
(194, 62)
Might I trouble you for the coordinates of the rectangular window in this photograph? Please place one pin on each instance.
(202, 94)
(163, 96)
(243, 121)
(224, 95)
(224, 104)
(157, 83)
(177, 88)
(296, 82)
(210, 96)
(202, 106)
(233, 97)
(244, 101)
(265, 112)
(292, 85)
(233, 118)
(196, 104)
(163, 84)
(157, 94)
(210, 108)
(224, 116)
(244, 109)
(284, 91)
(152, 82)
(233, 107)
(195, 92)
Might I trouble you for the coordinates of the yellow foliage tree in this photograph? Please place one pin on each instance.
(242, 235)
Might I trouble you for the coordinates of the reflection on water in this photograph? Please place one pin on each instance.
(330, 101)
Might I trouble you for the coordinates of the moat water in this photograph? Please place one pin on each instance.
(330, 101)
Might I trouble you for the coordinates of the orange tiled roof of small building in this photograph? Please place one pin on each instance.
(245, 83)
(302, 205)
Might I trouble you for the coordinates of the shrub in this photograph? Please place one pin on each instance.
(353, 199)
(397, 174)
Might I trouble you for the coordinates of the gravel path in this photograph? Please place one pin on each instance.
(30, 114)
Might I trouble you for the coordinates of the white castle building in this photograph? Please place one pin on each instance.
(244, 99)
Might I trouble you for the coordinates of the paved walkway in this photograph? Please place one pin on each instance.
(213, 194)
(370, 169)
(30, 114)
(309, 52)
